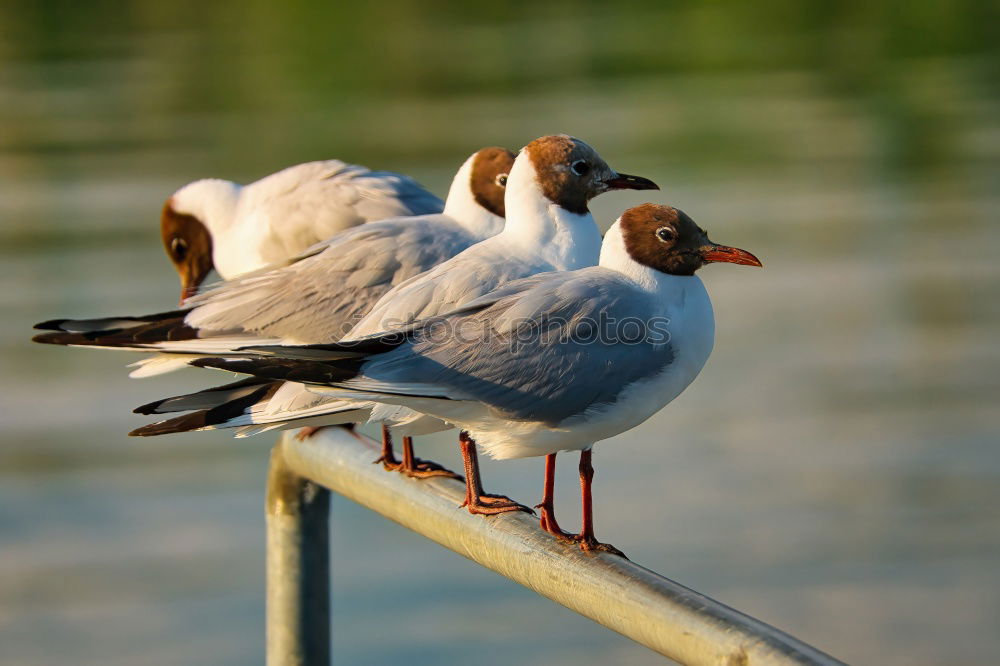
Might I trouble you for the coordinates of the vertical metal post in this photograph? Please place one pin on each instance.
(298, 567)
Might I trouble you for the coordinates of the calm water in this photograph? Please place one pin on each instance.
(834, 471)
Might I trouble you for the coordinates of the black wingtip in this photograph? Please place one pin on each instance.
(215, 362)
(50, 325)
(246, 366)
(224, 392)
(185, 423)
(148, 408)
(119, 331)
(370, 345)
(286, 369)
(154, 429)
(206, 418)
(56, 338)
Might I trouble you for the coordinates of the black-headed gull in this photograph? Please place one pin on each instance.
(549, 363)
(241, 228)
(549, 228)
(317, 296)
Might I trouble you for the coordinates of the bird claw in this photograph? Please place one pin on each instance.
(488, 505)
(424, 469)
(591, 545)
(547, 522)
(389, 464)
(420, 469)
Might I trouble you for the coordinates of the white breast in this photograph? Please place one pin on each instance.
(692, 335)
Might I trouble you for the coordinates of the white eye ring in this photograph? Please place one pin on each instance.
(501, 180)
(666, 234)
(580, 167)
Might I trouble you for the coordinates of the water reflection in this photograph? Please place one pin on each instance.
(833, 471)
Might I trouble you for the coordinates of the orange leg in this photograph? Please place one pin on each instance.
(585, 538)
(388, 457)
(547, 519)
(476, 499)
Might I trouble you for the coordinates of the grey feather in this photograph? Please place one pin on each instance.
(320, 297)
(311, 202)
(560, 374)
(468, 276)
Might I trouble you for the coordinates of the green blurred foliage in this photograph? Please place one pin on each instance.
(901, 62)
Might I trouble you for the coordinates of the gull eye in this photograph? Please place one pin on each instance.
(580, 167)
(666, 234)
(501, 180)
(178, 247)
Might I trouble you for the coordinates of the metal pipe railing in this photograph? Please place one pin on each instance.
(665, 616)
(298, 567)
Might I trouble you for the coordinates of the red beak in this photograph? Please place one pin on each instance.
(730, 255)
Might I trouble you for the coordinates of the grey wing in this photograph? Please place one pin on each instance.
(322, 295)
(413, 197)
(311, 202)
(550, 348)
(467, 277)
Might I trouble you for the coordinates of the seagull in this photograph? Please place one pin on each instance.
(549, 228)
(214, 223)
(553, 362)
(319, 295)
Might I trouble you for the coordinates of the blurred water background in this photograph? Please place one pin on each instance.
(835, 469)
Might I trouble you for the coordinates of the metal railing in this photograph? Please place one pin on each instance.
(665, 616)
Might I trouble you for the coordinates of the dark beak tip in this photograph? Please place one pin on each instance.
(626, 182)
